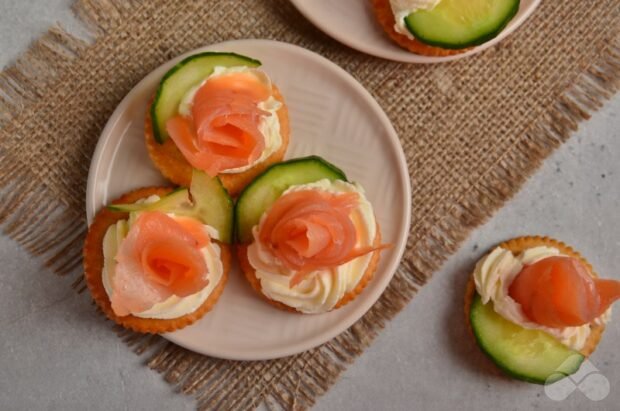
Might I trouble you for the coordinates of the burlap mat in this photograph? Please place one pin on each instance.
(472, 131)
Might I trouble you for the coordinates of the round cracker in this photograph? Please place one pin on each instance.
(518, 245)
(250, 275)
(171, 163)
(93, 266)
(385, 16)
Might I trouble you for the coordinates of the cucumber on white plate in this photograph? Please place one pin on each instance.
(261, 193)
(458, 24)
(181, 78)
(206, 200)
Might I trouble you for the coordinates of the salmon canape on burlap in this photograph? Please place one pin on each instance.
(537, 308)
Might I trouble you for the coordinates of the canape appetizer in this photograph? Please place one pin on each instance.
(309, 240)
(537, 308)
(216, 112)
(157, 259)
(443, 27)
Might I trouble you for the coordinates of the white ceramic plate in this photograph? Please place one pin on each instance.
(352, 22)
(331, 115)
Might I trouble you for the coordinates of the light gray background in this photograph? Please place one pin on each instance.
(57, 354)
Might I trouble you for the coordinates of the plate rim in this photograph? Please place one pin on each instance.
(401, 165)
(408, 57)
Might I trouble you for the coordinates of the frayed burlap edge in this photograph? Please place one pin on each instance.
(48, 228)
(29, 213)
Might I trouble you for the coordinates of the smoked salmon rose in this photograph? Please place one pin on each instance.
(223, 130)
(217, 113)
(311, 230)
(155, 270)
(158, 259)
(315, 246)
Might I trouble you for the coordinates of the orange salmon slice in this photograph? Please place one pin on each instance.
(559, 292)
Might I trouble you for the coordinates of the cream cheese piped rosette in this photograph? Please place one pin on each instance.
(219, 113)
(157, 260)
(309, 239)
(443, 27)
(537, 308)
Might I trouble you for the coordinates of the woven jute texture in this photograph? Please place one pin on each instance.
(472, 130)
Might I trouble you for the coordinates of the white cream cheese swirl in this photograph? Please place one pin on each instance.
(174, 306)
(269, 124)
(402, 8)
(321, 290)
(493, 276)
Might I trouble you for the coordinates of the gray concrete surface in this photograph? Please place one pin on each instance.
(56, 354)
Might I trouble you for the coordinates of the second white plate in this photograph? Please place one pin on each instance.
(352, 22)
(332, 116)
